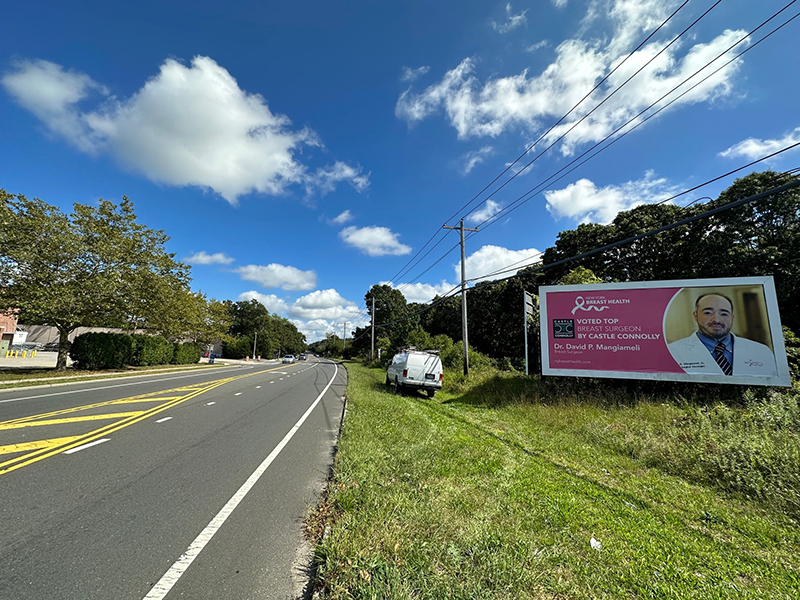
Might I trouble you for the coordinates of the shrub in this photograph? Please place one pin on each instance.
(94, 351)
(753, 451)
(187, 353)
(151, 350)
(237, 347)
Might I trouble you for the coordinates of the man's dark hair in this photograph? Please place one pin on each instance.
(696, 302)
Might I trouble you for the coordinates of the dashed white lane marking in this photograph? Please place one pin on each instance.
(258, 387)
(281, 379)
(171, 577)
(272, 382)
(164, 419)
(89, 445)
(238, 394)
(210, 403)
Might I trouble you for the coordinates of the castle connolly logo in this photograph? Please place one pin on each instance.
(564, 328)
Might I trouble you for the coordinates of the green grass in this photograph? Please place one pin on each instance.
(486, 492)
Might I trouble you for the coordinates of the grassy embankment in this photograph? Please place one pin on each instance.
(495, 489)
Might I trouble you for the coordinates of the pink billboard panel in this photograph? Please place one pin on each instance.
(709, 330)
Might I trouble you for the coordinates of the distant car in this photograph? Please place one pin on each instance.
(51, 347)
(415, 370)
(288, 359)
(302, 356)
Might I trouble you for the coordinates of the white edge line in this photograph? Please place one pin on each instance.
(171, 577)
(164, 419)
(89, 445)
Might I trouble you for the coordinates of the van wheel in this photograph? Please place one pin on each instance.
(388, 382)
(396, 386)
(430, 393)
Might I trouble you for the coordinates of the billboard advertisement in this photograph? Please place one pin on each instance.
(703, 330)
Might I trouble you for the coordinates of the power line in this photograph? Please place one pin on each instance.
(550, 180)
(407, 268)
(587, 115)
(685, 192)
(581, 101)
(708, 213)
(522, 199)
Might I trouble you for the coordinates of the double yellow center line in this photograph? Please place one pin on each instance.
(29, 452)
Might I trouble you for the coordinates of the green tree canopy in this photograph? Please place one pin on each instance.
(95, 267)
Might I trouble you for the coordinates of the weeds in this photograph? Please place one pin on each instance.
(495, 490)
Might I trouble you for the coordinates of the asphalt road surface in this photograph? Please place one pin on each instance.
(184, 485)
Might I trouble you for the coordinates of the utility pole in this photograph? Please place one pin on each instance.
(372, 351)
(463, 295)
(254, 345)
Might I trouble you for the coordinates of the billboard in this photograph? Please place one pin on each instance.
(703, 330)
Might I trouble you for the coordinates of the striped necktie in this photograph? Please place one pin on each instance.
(723, 363)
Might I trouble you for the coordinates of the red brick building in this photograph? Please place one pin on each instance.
(8, 325)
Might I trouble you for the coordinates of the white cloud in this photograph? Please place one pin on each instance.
(187, 126)
(324, 180)
(753, 148)
(537, 46)
(525, 101)
(584, 202)
(53, 95)
(490, 209)
(282, 276)
(489, 259)
(513, 21)
(314, 314)
(410, 74)
(203, 258)
(374, 241)
(425, 292)
(318, 305)
(272, 303)
(559, 3)
(343, 217)
(315, 329)
(323, 304)
(476, 157)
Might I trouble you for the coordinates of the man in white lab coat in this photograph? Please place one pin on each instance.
(714, 350)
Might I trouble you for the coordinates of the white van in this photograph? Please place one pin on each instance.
(413, 369)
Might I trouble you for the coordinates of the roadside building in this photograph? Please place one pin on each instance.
(8, 332)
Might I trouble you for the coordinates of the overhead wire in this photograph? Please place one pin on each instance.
(602, 102)
(711, 212)
(494, 217)
(735, 204)
(552, 178)
(522, 199)
(406, 268)
(577, 104)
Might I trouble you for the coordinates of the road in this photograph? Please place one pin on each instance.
(189, 485)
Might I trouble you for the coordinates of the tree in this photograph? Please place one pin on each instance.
(758, 238)
(393, 317)
(95, 267)
(271, 333)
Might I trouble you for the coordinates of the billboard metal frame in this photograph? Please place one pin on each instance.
(782, 378)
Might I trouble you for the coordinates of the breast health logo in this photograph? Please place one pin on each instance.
(580, 305)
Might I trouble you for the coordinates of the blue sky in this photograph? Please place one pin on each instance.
(299, 153)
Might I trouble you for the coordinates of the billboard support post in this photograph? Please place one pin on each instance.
(527, 310)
